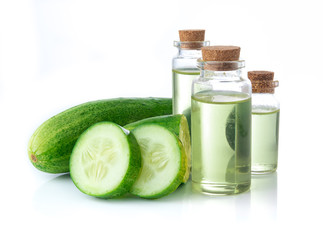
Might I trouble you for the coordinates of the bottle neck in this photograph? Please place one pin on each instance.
(263, 87)
(264, 102)
(231, 75)
(221, 70)
(190, 49)
(189, 53)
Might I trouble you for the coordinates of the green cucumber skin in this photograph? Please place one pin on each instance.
(51, 145)
(171, 122)
(179, 177)
(133, 169)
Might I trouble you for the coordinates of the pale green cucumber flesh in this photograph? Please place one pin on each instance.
(105, 161)
(178, 125)
(184, 136)
(163, 161)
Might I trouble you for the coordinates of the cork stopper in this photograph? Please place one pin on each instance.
(191, 38)
(190, 35)
(262, 81)
(223, 55)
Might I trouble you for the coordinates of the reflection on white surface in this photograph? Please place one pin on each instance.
(222, 208)
(55, 196)
(59, 195)
(264, 195)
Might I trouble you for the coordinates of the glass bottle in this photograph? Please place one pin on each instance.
(185, 69)
(221, 123)
(265, 122)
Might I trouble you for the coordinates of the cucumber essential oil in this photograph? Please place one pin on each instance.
(265, 122)
(265, 129)
(221, 129)
(185, 69)
(221, 124)
(182, 84)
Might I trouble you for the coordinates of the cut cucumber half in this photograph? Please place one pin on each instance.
(163, 161)
(105, 160)
(178, 125)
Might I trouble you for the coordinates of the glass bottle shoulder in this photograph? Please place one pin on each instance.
(221, 97)
(187, 60)
(229, 84)
(264, 103)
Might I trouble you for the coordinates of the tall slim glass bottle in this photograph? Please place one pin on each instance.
(221, 123)
(185, 69)
(265, 122)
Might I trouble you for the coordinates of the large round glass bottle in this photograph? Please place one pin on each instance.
(221, 123)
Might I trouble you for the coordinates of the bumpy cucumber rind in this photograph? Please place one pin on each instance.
(176, 124)
(177, 179)
(132, 171)
(51, 145)
(171, 122)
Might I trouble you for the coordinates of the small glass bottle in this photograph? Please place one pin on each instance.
(221, 123)
(265, 122)
(185, 69)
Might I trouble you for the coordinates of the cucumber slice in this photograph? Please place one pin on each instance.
(163, 161)
(178, 125)
(105, 160)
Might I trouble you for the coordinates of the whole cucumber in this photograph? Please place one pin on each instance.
(51, 145)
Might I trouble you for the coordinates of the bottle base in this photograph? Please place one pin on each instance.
(263, 169)
(220, 189)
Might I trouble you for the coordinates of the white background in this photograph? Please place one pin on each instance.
(57, 54)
